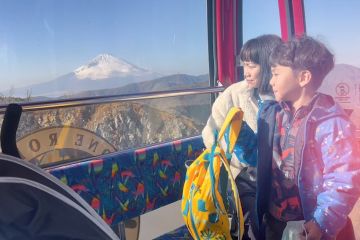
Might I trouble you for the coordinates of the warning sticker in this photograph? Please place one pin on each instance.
(343, 84)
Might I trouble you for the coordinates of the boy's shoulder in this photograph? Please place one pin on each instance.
(327, 116)
(325, 107)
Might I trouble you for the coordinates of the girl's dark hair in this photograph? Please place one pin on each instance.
(258, 50)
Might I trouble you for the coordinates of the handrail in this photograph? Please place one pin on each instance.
(75, 102)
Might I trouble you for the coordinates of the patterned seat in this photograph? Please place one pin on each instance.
(133, 182)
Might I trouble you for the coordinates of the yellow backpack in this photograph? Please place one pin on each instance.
(202, 205)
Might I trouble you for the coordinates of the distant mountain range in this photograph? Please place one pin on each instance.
(123, 124)
(171, 82)
(107, 75)
(192, 106)
(102, 72)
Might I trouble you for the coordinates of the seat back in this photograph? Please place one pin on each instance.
(38, 206)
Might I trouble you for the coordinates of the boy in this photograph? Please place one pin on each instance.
(308, 165)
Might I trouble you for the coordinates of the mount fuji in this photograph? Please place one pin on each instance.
(103, 72)
(106, 66)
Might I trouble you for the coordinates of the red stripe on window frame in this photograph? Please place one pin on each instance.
(225, 41)
(283, 12)
(298, 16)
(292, 18)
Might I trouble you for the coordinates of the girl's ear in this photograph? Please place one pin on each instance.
(305, 77)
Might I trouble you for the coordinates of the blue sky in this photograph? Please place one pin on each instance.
(336, 23)
(48, 38)
(43, 39)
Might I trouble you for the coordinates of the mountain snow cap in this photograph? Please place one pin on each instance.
(106, 66)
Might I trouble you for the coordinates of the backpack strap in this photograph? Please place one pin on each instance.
(230, 131)
(231, 126)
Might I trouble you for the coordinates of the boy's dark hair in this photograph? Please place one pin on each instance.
(304, 53)
(258, 50)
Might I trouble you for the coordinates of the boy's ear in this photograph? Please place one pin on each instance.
(304, 77)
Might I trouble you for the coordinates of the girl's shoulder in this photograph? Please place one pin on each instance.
(239, 88)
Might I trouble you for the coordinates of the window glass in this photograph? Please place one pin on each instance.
(53, 49)
(334, 23)
(72, 133)
(260, 17)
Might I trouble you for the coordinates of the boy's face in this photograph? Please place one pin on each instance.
(284, 83)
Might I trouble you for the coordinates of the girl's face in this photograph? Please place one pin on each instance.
(252, 74)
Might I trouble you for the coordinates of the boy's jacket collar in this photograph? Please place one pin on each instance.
(324, 107)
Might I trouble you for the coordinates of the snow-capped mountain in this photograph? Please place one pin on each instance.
(103, 72)
(106, 66)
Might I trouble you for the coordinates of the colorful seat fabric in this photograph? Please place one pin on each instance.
(132, 182)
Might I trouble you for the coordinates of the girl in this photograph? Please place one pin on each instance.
(247, 95)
